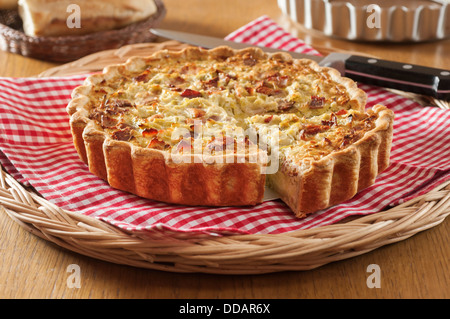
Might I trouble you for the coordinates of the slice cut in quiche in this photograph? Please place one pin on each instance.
(214, 127)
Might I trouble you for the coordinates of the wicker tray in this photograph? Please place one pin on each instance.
(235, 254)
(70, 48)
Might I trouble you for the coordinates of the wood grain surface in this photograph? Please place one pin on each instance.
(418, 267)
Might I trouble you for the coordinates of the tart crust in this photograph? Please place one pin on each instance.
(233, 180)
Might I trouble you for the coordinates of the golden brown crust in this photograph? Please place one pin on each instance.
(154, 174)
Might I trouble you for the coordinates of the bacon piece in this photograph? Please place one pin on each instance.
(250, 90)
(143, 77)
(122, 135)
(332, 121)
(123, 103)
(104, 119)
(312, 129)
(249, 60)
(190, 94)
(316, 102)
(284, 105)
(264, 88)
(268, 119)
(341, 112)
(149, 132)
(157, 144)
(212, 82)
(195, 113)
(116, 106)
(107, 121)
(302, 135)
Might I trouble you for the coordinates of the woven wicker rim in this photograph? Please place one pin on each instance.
(234, 254)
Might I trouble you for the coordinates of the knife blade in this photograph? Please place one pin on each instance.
(384, 73)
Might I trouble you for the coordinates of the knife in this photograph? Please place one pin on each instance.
(389, 74)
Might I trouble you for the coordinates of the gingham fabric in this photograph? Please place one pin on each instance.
(37, 149)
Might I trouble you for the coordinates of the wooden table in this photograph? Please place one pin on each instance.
(414, 268)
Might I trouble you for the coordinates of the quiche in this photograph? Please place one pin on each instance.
(215, 127)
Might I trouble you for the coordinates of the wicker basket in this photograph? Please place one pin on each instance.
(237, 254)
(234, 254)
(70, 48)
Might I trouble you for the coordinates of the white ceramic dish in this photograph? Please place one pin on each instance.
(372, 20)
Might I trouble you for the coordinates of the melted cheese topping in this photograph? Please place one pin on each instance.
(179, 103)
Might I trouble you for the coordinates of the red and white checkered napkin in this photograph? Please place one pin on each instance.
(37, 149)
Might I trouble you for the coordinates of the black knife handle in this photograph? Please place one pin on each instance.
(401, 76)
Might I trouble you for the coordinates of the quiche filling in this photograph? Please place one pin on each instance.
(210, 104)
(301, 141)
